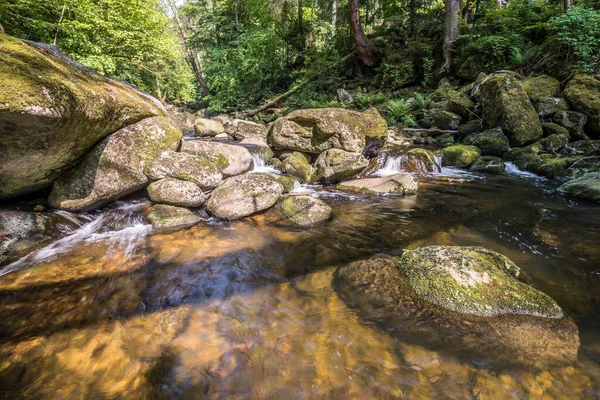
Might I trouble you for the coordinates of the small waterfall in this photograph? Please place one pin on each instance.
(512, 169)
(438, 160)
(260, 165)
(392, 165)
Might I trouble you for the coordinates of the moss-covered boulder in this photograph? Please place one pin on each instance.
(232, 160)
(302, 210)
(163, 216)
(541, 86)
(523, 156)
(53, 111)
(244, 195)
(208, 127)
(506, 104)
(551, 166)
(298, 166)
(574, 121)
(317, 130)
(554, 143)
(420, 161)
(550, 128)
(401, 183)
(461, 104)
(581, 167)
(176, 192)
(469, 298)
(288, 182)
(488, 165)
(583, 92)
(117, 166)
(470, 127)
(446, 139)
(585, 187)
(441, 119)
(491, 142)
(186, 167)
(460, 156)
(582, 147)
(546, 107)
(336, 165)
(250, 130)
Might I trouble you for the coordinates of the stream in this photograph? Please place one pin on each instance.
(243, 309)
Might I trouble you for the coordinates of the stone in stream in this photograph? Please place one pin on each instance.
(585, 187)
(208, 127)
(176, 192)
(186, 167)
(460, 156)
(336, 165)
(317, 130)
(117, 166)
(250, 130)
(469, 298)
(297, 165)
(53, 111)
(491, 142)
(163, 216)
(244, 195)
(394, 184)
(583, 92)
(183, 118)
(232, 160)
(488, 165)
(300, 210)
(506, 104)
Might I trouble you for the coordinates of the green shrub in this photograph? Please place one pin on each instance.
(362, 101)
(580, 30)
(398, 111)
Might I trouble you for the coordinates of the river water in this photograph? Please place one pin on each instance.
(247, 310)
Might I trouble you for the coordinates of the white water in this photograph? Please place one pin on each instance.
(392, 165)
(260, 165)
(95, 231)
(512, 169)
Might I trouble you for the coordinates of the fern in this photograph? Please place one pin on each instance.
(420, 101)
(362, 101)
(398, 111)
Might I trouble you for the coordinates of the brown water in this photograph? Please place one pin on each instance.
(246, 310)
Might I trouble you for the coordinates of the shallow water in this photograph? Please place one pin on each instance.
(247, 310)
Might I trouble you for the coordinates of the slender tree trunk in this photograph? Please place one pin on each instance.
(375, 11)
(237, 15)
(450, 32)
(368, 52)
(567, 4)
(62, 15)
(412, 16)
(196, 67)
(334, 15)
(217, 25)
(1, 28)
(300, 19)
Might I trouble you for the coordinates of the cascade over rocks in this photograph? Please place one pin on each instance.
(317, 130)
(53, 111)
(232, 160)
(117, 166)
(469, 296)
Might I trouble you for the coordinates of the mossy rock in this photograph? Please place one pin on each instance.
(438, 100)
(170, 217)
(554, 143)
(54, 111)
(491, 142)
(176, 192)
(574, 121)
(583, 92)
(550, 128)
(186, 167)
(541, 86)
(461, 104)
(337, 165)
(401, 183)
(470, 127)
(421, 161)
(582, 147)
(523, 156)
(581, 167)
(441, 119)
(208, 127)
(506, 104)
(298, 166)
(288, 182)
(460, 156)
(585, 187)
(231, 159)
(488, 165)
(551, 166)
(303, 210)
(546, 107)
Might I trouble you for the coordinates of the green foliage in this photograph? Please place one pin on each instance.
(362, 101)
(579, 29)
(399, 111)
(420, 101)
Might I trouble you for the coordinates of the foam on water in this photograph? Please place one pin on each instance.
(512, 169)
(260, 165)
(392, 166)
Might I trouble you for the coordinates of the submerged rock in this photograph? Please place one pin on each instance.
(170, 217)
(317, 130)
(507, 105)
(585, 187)
(460, 156)
(208, 127)
(176, 192)
(53, 111)
(583, 92)
(394, 184)
(298, 166)
(186, 167)
(117, 166)
(488, 165)
(491, 142)
(244, 195)
(303, 210)
(232, 160)
(336, 165)
(469, 298)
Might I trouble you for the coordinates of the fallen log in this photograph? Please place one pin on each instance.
(431, 130)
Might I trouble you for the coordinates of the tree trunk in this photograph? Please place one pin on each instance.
(196, 67)
(567, 4)
(62, 15)
(1, 28)
(300, 22)
(450, 32)
(217, 25)
(368, 53)
(334, 15)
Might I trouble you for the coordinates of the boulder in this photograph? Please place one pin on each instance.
(183, 118)
(582, 147)
(441, 119)
(461, 104)
(421, 161)
(551, 166)
(491, 142)
(244, 195)
(302, 210)
(583, 92)
(163, 216)
(23, 232)
(506, 104)
(314, 131)
(554, 143)
(469, 298)
(446, 139)
(550, 128)
(585, 187)
(186, 167)
(176, 192)
(488, 165)
(250, 130)
(460, 156)
(582, 167)
(476, 90)
(298, 166)
(394, 184)
(524, 155)
(208, 127)
(117, 166)
(573, 121)
(53, 111)
(541, 86)
(470, 127)
(546, 107)
(231, 159)
(336, 165)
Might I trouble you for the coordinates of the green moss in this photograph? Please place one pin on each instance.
(460, 156)
(585, 187)
(297, 166)
(541, 86)
(491, 142)
(583, 92)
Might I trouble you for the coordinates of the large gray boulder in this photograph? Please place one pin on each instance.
(163, 217)
(117, 166)
(506, 104)
(232, 160)
(394, 184)
(208, 127)
(186, 167)
(574, 121)
(176, 192)
(244, 195)
(250, 130)
(53, 111)
(314, 131)
(472, 299)
(336, 165)
(302, 210)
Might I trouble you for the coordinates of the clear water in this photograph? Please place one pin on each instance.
(246, 310)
